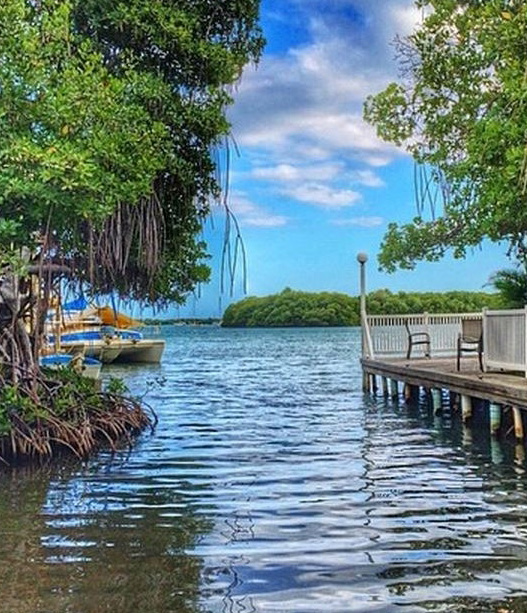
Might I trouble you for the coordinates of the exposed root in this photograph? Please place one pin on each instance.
(70, 416)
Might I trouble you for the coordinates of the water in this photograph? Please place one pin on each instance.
(271, 484)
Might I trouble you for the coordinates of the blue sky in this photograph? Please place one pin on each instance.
(311, 185)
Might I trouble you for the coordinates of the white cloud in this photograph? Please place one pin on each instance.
(250, 214)
(361, 222)
(298, 115)
(312, 96)
(286, 173)
(323, 195)
(405, 18)
(319, 185)
(367, 178)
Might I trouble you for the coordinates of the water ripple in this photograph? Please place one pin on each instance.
(272, 484)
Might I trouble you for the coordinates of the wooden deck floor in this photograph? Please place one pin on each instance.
(502, 388)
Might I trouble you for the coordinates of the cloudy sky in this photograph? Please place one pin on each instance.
(310, 183)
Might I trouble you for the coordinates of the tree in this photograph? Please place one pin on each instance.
(293, 308)
(190, 52)
(110, 116)
(460, 109)
(512, 287)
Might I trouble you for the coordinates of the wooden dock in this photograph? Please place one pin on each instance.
(441, 373)
(396, 352)
(498, 391)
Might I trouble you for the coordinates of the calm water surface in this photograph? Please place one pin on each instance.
(271, 484)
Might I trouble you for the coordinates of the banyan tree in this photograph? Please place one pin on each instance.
(111, 114)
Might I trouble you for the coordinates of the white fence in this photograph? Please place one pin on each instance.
(504, 336)
(504, 340)
(389, 335)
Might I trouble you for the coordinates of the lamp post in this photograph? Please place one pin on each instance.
(362, 258)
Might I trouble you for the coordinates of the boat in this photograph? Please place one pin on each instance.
(136, 348)
(87, 366)
(91, 343)
(80, 328)
(112, 345)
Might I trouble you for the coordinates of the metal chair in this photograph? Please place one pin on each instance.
(470, 339)
(417, 338)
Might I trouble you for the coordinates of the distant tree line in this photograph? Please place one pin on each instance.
(295, 308)
(384, 302)
(182, 321)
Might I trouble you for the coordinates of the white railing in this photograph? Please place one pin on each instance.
(505, 340)
(504, 336)
(389, 335)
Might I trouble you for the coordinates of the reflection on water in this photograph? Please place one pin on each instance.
(271, 484)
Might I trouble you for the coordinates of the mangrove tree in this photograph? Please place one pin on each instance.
(460, 110)
(111, 114)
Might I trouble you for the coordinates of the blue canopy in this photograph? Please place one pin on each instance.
(75, 305)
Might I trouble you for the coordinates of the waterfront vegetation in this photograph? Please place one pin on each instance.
(295, 308)
(65, 412)
(459, 108)
(112, 121)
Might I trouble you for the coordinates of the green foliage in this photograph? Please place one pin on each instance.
(461, 110)
(105, 105)
(73, 142)
(111, 115)
(293, 308)
(512, 287)
(189, 53)
(384, 302)
(116, 385)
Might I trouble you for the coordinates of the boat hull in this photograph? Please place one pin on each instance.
(146, 350)
(109, 344)
(86, 366)
(118, 350)
(100, 350)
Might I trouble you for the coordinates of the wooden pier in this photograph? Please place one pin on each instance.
(405, 354)
(496, 392)
(409, 353)
(440, 373)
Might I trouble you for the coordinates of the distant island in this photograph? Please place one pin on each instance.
(292, 308)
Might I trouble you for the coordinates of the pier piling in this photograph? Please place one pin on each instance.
(466, 408)
(435, 395)
(518, 423)
(495, 418)
(394, 388)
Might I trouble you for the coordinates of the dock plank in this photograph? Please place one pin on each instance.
(500, 387)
